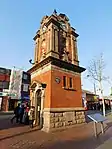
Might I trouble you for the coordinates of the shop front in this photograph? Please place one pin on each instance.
(92, 102)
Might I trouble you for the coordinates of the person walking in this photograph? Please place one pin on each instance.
(26, 117)
(16, 114)
(31, 115)
(21, 113)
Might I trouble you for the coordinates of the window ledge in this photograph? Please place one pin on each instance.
(70, 89)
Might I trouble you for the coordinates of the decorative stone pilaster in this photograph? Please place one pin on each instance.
(48, 41)
(46, 123)
(42, 106)
(52, 38)
(73, 49)
(32, 98)
(36, 50)
(76, 53)
(56, 40)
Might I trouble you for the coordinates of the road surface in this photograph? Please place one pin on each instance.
(79, 137)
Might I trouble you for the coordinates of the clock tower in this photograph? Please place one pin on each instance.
(56, 75)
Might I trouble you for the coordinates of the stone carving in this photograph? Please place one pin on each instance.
(65, 55)
(43, 49)
(43, 53)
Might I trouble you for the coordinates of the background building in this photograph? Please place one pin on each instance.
(4, 84)
(19, 87)
(91, 100)
(25, 92)
(14, 88)
(56, 75)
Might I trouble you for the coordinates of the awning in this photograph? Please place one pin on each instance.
(107, 97)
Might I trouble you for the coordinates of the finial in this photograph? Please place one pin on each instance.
(55, 12)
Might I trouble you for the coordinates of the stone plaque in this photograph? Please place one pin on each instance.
(58, 80)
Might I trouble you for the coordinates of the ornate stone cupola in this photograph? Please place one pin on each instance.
(56, 38)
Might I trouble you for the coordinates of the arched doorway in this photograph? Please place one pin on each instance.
(37, 100)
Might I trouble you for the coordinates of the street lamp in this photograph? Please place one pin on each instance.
(30, 61)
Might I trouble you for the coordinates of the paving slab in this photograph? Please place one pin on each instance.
(79, 137)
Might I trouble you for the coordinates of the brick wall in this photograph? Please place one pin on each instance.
(45, 78)
(65, 97)
(55, 95)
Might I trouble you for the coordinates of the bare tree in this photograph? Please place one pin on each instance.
(96, 69)
(96, 72)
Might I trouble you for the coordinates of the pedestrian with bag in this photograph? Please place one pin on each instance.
(31, 115)
(21, 113)
(16, 114)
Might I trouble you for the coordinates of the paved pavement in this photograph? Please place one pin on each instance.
(79, 137)
(106, 145)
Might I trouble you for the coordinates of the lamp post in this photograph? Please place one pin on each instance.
(30, 61)
(103, 101)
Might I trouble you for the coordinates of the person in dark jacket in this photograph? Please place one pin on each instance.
(21, 113)
(16, 114)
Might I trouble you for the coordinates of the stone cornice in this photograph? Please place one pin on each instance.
(67, 65)
(39, 65)
(59, 63)
(52, 20)
(73, 32)
(36, 36)
(64, 109)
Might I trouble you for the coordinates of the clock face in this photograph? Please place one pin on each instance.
(44, 28)
(63, 25)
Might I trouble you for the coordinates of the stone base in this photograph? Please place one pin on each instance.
(63, 119)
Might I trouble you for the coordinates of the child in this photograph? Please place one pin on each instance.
(31, 115)
(26, 117)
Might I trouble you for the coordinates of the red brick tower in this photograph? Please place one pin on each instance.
(56, 74)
